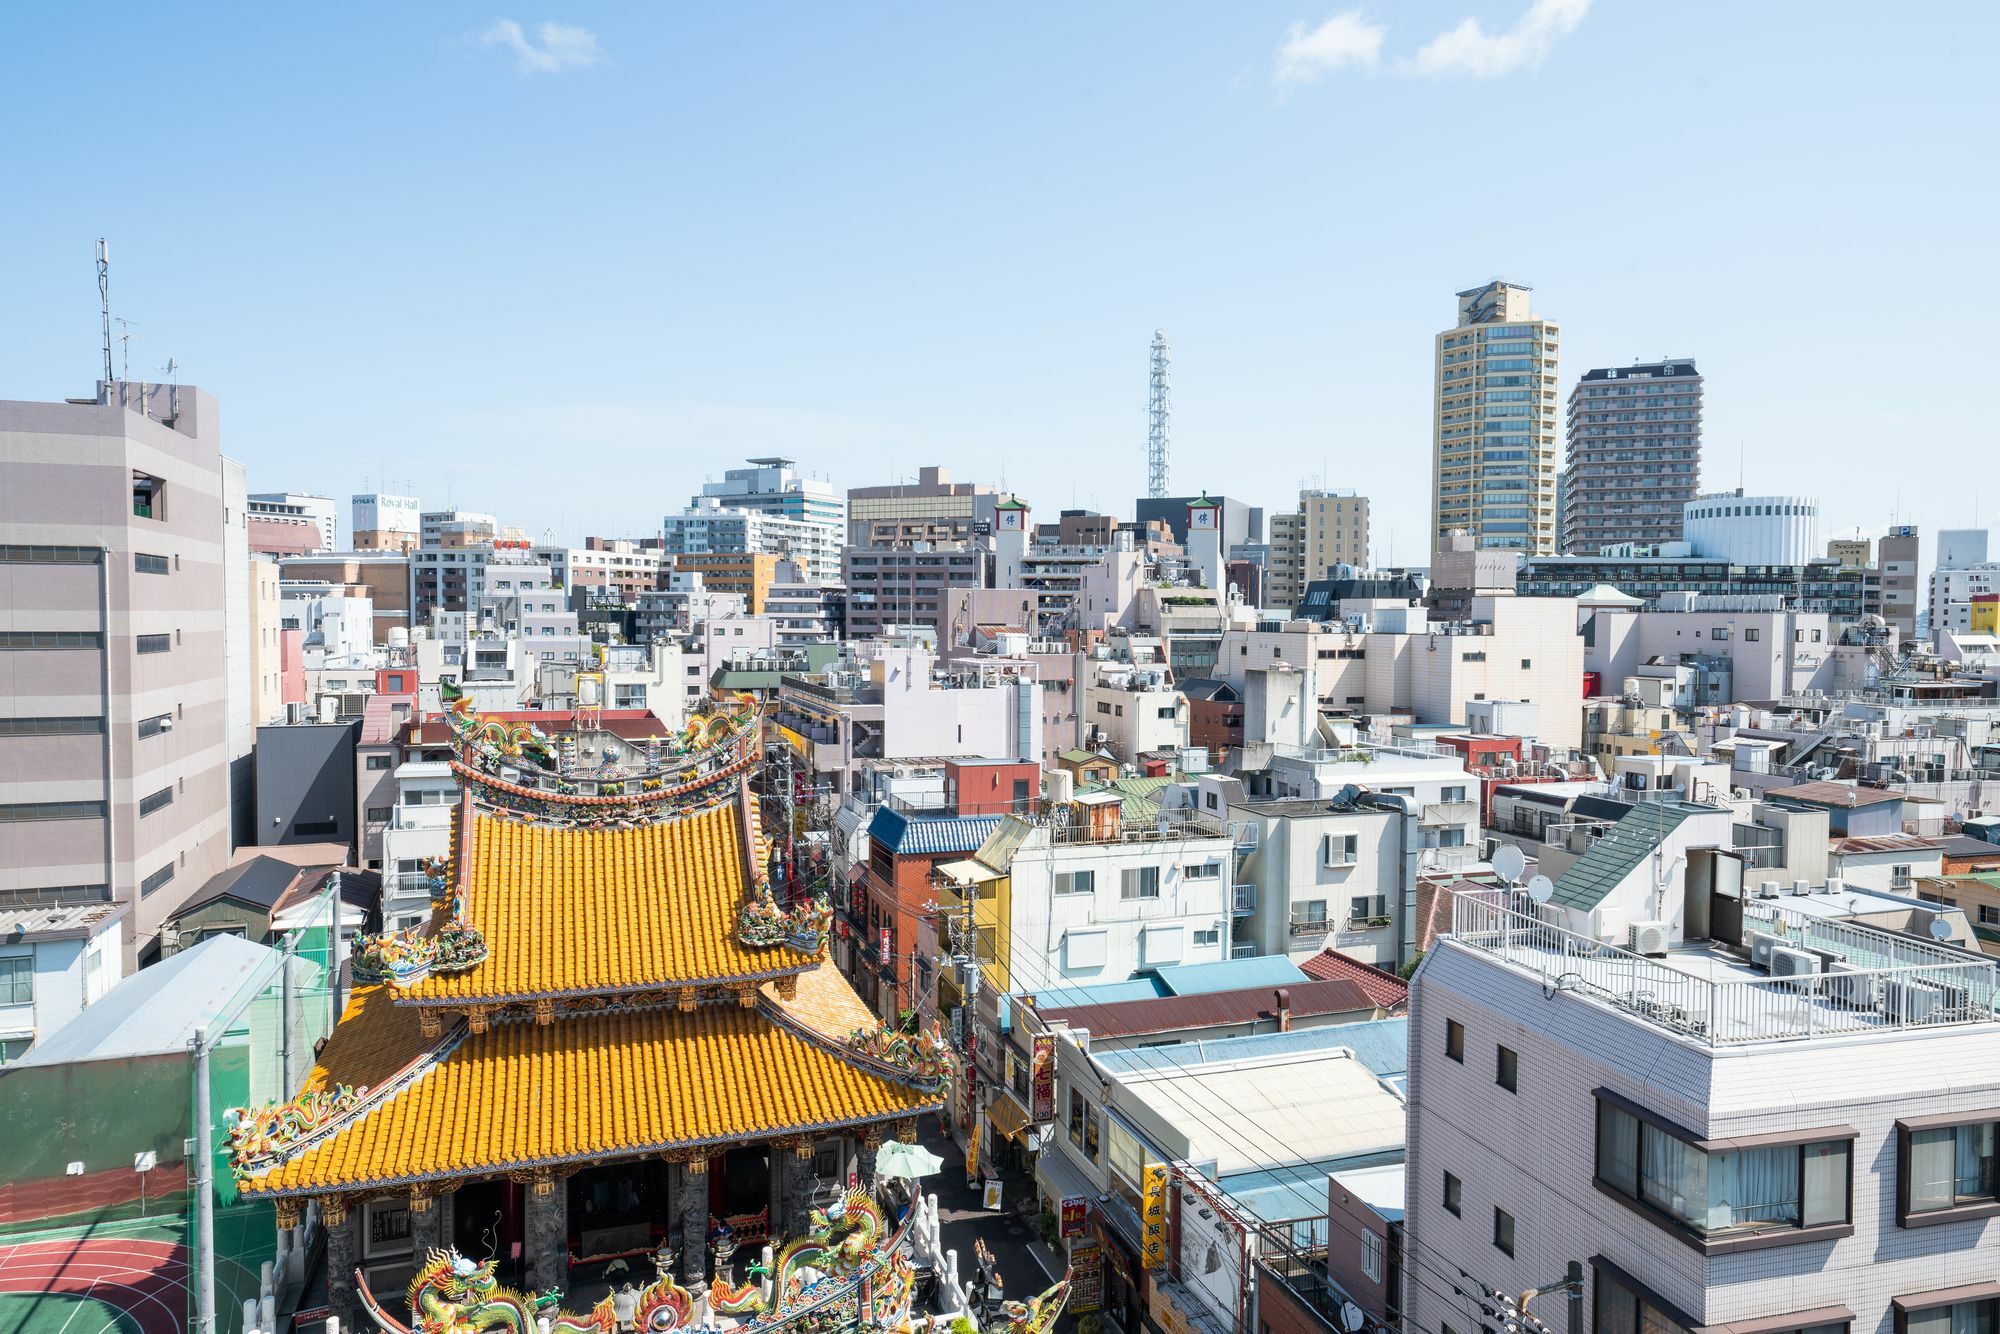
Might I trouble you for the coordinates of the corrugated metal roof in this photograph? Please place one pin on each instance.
(157, 1009)
(1383, 1045)
(1196, 979)
(1215, 1009)
(928, 835)
(1611, 858)
(1847, 796)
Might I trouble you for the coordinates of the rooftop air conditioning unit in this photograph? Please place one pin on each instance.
(1767, 889)
(1850, 986)
(1761, 945)
(1649, 939)
(1909, 1001)
(1787, 962)
(1801, 887)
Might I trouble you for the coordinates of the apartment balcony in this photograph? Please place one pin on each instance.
(1310, 927)
(1448, 813)
(422, 817)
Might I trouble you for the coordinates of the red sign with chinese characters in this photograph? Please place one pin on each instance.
(1042, 1078)
(1075, 1210)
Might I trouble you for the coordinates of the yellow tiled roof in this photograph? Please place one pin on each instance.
(601, 911)
(374, 1040)
(523, 1094)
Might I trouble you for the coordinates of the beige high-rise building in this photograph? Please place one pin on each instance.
(1493, 440)
(117, 690)
(1328, 528)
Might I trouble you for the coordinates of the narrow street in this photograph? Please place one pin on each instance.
(962, 1222)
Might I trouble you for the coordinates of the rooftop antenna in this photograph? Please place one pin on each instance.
(173, 369)
(125, 328)
(104, 306)
(1159, 418)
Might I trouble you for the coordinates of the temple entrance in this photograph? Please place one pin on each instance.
(618, 1216)
(739, 1193)
(487, 1219)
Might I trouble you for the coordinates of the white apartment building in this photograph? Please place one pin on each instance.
(1766, 1115)
(1092, 898)
(802, 517)
(1741, 648)
(1333, 872)
(1393, 659)
(1952, 591)
(419, 829)
(55, 959)
(900, 703)
(1131, 708)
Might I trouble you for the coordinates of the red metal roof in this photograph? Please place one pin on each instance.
(1315, 999)
(1384, 988)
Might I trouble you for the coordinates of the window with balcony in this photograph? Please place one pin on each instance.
(1309, 917)
(1722, 1194)
(1953, 1311)
(149, 496)
(1369, 910)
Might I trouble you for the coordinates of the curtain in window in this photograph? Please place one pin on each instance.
(1616, 1309)
(1933, 1170)
(1974, 1167)
(1674, 1177)
(1618, 1148)
(1826, 1176)
(1753, 1186)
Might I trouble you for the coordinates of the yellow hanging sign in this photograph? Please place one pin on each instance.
(1153, 1217)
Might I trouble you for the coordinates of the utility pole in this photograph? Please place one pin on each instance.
(964, 962)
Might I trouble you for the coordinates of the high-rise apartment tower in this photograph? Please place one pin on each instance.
(1493, 443)
(1634, 455)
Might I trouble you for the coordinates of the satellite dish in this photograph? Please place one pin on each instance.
(1940, 929)
(1541, 889)
(1352, 1318)
(1508, 863)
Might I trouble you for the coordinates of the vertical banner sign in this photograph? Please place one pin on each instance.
(1075, 1209)
(1153, 1217)
(1086, 1288)
(1043, 1077)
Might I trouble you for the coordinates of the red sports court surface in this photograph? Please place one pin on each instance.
(89, 1285)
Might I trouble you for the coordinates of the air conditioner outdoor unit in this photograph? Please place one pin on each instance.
(1767, 889)
(1801, 887)
(1787, 962)
(1649, 939)
(1849, 986)
(1909, 1001)
(1761, 945)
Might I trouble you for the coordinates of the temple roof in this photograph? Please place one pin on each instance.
(583, 912)
(585, 1087)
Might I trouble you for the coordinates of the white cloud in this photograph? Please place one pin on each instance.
(1470, 49)
(1345, 39)
(561, 46)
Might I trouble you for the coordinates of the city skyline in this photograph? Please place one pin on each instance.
(472, 251)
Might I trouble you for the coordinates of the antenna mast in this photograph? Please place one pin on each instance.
(1159, 419)
(104, 306)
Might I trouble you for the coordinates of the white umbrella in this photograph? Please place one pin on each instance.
(897, 1159)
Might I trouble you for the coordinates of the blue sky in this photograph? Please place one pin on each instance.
(564, 274)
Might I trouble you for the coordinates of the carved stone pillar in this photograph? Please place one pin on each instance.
(426, 1223)
(691, 1222)
(341, 1293)
(798, 1172)
(548, 1231)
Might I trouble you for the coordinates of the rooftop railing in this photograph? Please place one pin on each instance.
(1887, 982)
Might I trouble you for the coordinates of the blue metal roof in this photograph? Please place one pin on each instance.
(930, 835)
(1143, 987)
(1201, 979)
(1383, 1045)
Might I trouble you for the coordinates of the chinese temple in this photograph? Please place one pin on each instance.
(610, 1040)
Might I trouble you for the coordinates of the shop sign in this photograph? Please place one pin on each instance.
(1043, 1078)
(1153, 1217)
(1086, 1284)
(1075, 1209)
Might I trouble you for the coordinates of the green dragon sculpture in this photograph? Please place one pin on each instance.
(454, 1295)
